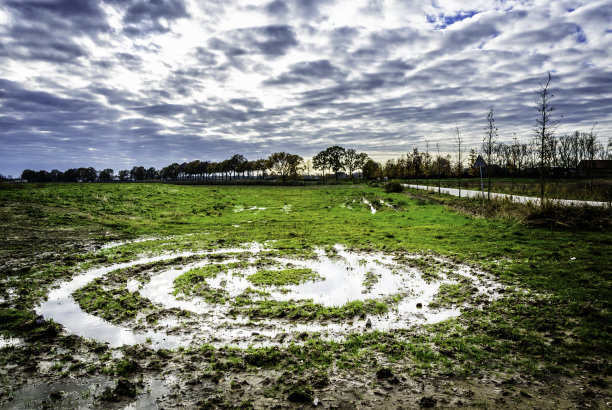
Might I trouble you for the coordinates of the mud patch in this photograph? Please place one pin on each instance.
(345, 291)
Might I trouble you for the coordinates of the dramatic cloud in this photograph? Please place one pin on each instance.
(119, 83)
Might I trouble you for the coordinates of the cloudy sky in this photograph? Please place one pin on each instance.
(119, 83)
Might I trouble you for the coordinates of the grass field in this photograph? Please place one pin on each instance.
(544, 342)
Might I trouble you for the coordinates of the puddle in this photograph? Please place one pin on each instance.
(9, 341)
(240, 208)
(344, 276)
(116, 244)
(73, 394)
(155, 390)
(372, 209)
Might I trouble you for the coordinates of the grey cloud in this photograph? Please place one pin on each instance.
(205, 57)
(277, 8)
(396, 65)
(115, 96)
(227, 48)
(144, 17)
(324, 96)
(309, 8)
(272, 41)
(307, 71)
(69, 15)
(546, 35)
(250, 103)
(18, 99)
(162, 110)
(399, 36)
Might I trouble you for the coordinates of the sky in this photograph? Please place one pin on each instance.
(123, 83)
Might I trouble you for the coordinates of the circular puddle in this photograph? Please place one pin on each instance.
(255, 295)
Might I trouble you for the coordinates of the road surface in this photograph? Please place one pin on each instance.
(515, 198)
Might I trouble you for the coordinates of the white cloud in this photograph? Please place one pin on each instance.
(296, 75)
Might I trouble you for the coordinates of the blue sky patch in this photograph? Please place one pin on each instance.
(444, 21)
(581, 37)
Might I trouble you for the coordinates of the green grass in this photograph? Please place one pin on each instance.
(283, 277)
(115, 305)
(193, 283)
(556, 324)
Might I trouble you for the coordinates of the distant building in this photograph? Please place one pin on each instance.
(597, 167)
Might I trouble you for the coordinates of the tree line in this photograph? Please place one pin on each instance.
(515, 159)
(544, 155)
(279, 165)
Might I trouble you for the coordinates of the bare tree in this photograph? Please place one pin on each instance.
(516, 152)
(307, 168)
(438, 163)
(544, 129)
(459, 143)
(592, 147)
(426, 164)
(489, 140)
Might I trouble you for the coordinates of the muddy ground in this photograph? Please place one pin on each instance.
(530, 348)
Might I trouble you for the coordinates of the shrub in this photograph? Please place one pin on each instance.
(393, 187)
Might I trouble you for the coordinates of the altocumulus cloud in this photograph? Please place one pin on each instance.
(118, 83)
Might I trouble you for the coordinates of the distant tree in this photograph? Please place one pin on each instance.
(438, 165)
(225, 168)
(353, 161)
(391, 169)
(459, 143)
(151, 173)
(321, 162)
(71, 175)
(472, 157)
(106, 174)
(261, 165)
(210, 170)
(124, 175)
(88, 174)
(192, 168)
(426, 164)
(28, 175)
(335, 156)
(489, 141)
(285, 165)
(248, 168)
(170, 172)
(415, 163)
(238, 163)
(138, 173)
(515, 158)
(371, 169)
(592, 147)
(56, 175)
(544, 129)
(307, 166)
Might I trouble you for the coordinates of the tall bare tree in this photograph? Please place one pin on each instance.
(459, 142)
(592, 147)
(438, 163)
(489, 140)
(544, 129)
